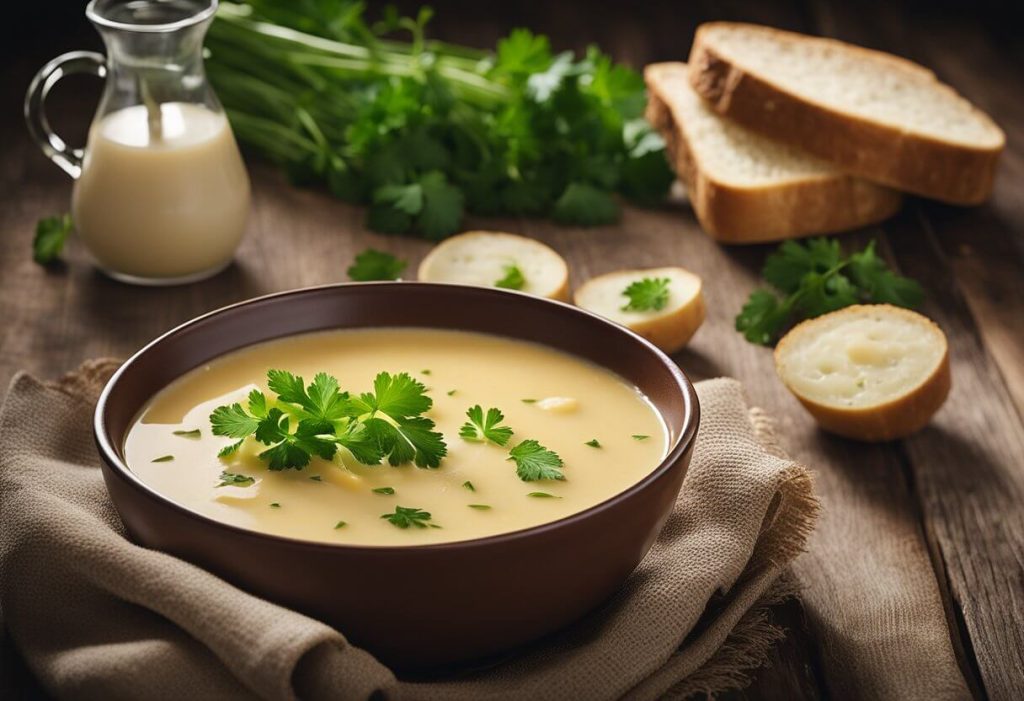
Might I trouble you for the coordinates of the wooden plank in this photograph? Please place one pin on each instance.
(966, 468)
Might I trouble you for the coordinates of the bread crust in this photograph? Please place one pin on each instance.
(745, 215)
(894, 419)
(918, 163)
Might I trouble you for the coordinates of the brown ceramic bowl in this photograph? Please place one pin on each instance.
(470, 601)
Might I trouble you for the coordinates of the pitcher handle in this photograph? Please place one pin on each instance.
(69, 159)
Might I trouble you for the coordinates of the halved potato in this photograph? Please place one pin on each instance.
(484, 258)
(669, 328)
(872, 372)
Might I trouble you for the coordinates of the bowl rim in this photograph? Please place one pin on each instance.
(676, 451)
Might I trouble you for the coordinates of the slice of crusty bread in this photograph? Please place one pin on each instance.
(873, 372)
(482, 258)
(671, 327)
(870, 113)
(746, 188)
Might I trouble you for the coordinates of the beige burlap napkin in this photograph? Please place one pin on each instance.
(95, 616)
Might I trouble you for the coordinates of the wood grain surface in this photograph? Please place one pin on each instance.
(944, 509)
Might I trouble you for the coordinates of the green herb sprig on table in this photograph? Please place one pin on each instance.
(649, 294)
(815, 278)
(421, 130)
(51, 235)
(319, 420)
(372, 264)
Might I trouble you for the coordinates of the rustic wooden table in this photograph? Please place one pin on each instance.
(952, 496)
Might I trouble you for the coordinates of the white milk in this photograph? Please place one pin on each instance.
(162, 205)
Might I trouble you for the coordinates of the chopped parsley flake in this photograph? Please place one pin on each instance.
(404, 517)
(513, 278)
(233, 479)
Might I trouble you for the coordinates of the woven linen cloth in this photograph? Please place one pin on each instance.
(95, 616)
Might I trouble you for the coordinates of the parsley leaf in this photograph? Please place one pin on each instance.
(816, 279)
(404, 517)
(372, 264)
(469, 485)
(513, 278)
(384, 490)
(485, 428)
(232, 421)
(318, 419)
(593, 443)
(51, 233)
(535, 462)
(233, 479)
(646, 294)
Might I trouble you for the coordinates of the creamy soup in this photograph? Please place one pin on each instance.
(161, 204)
(606, 434)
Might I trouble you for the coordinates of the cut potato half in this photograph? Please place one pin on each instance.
(872, 372)
(669, 328)
(484, 258)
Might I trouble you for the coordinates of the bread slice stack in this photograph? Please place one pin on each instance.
(779, 135)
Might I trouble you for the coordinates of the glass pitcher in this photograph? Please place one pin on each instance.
(161, 194)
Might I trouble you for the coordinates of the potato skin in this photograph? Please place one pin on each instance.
(898, 418)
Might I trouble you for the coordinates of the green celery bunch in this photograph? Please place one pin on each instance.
(422, 131)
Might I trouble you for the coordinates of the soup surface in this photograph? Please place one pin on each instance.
(606, 433)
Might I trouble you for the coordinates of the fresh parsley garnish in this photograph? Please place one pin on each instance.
(164, 458)
(593, 443)
(469, 485)
(51, 234)
(513, 279)
(194, 433)
(535, 462)
(384, 490)
(543, 495)
(482, 427)
(319, 419)
(451, 392)
(404, 517)
(423, 131)
(372, 264)
(814, 278)
(639, 437)
(479, 507)
(646, 295)
(233, 479)
(340, 524)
